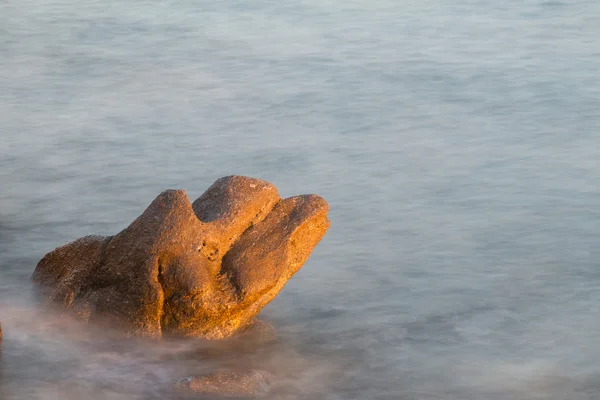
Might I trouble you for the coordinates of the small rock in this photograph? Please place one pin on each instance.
(259, 332)
(227, 384)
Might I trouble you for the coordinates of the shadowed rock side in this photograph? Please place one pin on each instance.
(203, 269)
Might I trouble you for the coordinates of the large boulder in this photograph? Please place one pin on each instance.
(204, 269)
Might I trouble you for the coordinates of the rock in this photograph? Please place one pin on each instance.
(204, 269)
(227, 384)
(0, 331)
(259, 332)
(250, 339)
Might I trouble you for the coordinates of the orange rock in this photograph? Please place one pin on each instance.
(203, 269)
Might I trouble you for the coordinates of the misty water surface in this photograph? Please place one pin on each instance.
(457, 142)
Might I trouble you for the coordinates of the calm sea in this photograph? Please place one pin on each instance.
(457, 142)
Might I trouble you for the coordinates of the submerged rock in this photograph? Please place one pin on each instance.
(258, 332)
(227, 384)
(204, 269)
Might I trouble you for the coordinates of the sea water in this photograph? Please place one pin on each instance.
(456, 141)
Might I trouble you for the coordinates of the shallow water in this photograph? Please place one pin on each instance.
(456, 142)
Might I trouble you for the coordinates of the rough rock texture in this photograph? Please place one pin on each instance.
(203, 269)
(227, 384)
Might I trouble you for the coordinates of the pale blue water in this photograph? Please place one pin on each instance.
(457, 142)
